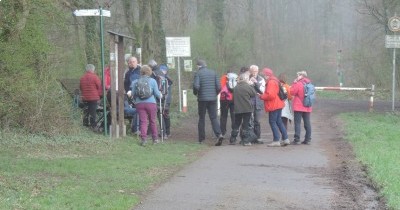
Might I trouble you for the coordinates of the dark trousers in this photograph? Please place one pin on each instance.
(307, 125)
(226, 107)
(89, 113)
(256, 122)
(163, 115)
(241, 119)
(211, 108)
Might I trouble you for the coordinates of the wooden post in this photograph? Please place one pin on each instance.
(113, 87)
(121, 90)
(117, 65)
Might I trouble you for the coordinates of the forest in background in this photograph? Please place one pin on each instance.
(41, 41)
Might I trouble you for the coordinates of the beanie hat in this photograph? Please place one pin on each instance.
(152, 63)
(163, 67)
(201, 63)
(268, 72)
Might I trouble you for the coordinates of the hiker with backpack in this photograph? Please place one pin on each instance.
(258, 83)
(242, 96)
(273, 104)
(301, 110)
(228, 82)
(146, 93)
(163, 83)
(287, 111)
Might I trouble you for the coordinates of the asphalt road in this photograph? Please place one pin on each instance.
(315, 176)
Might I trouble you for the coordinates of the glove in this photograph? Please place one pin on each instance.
(129, 94)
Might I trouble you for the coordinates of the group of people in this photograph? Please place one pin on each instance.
(245, 101)
(151, 108)
(143, 111)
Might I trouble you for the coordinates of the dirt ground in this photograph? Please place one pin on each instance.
(324, 175)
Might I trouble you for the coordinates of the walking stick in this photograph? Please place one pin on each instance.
(161, 124)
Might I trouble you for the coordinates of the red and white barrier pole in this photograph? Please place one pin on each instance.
(371, 99)
(184, 101)
(341, 88)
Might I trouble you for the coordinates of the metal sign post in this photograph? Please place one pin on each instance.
(393, 41)
(178, 47)
(98, 12)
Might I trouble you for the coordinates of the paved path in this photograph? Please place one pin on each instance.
(255, 177)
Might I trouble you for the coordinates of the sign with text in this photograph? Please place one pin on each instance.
(178, 46)
(188, 65)
(92, 12)
(392, 41)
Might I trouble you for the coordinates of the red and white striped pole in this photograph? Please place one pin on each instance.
(371, 99)
(184, 101)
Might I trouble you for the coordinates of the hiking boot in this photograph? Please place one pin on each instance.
(143, 143)
(306, 142)
(285, 142)
(296, 142)
(156, 141)
(232, 140)
(247, 144)
(274, 144)
(220, 139)
(257, 142)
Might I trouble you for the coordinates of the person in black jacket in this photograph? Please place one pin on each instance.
(206, 86)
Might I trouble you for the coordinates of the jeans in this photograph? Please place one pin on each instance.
(211, 108)
(131, 112)
(276, 124)
(307, 125)
(147, 111)
(226, 107)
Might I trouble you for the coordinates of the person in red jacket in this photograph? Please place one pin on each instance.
(273, 105)
(91, 90)
(107, 77)
(300, 111)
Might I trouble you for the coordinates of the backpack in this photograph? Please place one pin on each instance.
(143, 89)
(162, 84)
(231, 81)
(282, 92)
(309, 94)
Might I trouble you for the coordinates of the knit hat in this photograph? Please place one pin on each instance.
(268, 72)
(201, 63)
(152, 63)
(163, 67)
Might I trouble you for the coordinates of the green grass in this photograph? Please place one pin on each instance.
(86, 171)
(375, 138)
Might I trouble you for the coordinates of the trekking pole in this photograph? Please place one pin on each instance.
(161, 124)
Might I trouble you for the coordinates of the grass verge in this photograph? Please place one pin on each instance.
(86, 171)
(375, 139)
